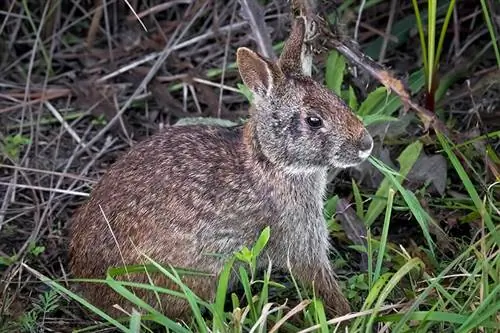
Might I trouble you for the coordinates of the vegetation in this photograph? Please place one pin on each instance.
(415, 229)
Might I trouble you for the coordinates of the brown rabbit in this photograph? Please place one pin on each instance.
(191, 191)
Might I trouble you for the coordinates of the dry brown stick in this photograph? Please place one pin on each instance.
(94, 25)
(157, 8)
(253, 13)
(45, 96)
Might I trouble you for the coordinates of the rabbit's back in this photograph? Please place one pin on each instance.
(179, 194)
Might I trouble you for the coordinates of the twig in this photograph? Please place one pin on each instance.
(49, 172)
(224, 63)
(158, 8)
(94, 24)
(5, 202)
(254, 15)
(387, 34)
(63, 122)
(155, 55)
(41, 188)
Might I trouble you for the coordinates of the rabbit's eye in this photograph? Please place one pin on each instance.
(314, 122)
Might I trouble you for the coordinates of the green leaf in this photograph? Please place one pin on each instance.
(406, 159)
(372, 100)
(6, 261)
(245, 91)
(377, 118)
(335, 66)
(357, 200)
(352, 99)
(261, 241)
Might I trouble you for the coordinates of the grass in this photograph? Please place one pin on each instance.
(442, 275)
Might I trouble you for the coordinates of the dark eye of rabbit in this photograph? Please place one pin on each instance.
(314, 122)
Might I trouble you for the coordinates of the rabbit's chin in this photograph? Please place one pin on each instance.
(303, 169)
(343, 165)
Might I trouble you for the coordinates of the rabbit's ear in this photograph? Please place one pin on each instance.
(290, 60)
(259, 74)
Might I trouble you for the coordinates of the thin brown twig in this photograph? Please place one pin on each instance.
(385, 41)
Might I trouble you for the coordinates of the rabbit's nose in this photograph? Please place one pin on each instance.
(365, 145)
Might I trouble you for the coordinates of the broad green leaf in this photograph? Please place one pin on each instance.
(406, 159)
(352, 100)
(377, 118)
(335, 66)
(372, 100)
(245, 91)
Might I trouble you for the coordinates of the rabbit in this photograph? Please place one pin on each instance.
(190, 191)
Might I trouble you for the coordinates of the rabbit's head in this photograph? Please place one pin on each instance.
(297, 122)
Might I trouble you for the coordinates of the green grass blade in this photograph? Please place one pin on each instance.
(319, 311)
(264, 293)
(135, 322)
(358, 200)
(220, 296)
(385, 234)
(58, 287)
(471, 190)
(393, 282)
(444, 28)
(371, 299)
(437, 316)
(431, 41)
(420, 214)
(489, 307)
(420, 28)
(190, 296)
(245, 282)
(491, 30)
(119, 287)
(433, 283)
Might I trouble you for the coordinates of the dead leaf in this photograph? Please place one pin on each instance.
(354, 228)
(429, 169)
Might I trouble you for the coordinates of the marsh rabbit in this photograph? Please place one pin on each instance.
(188, 192)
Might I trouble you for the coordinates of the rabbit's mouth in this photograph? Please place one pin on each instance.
(344, 165)
(344, 161)
(354, 153)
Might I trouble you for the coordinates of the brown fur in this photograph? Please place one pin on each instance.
(194, 190)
